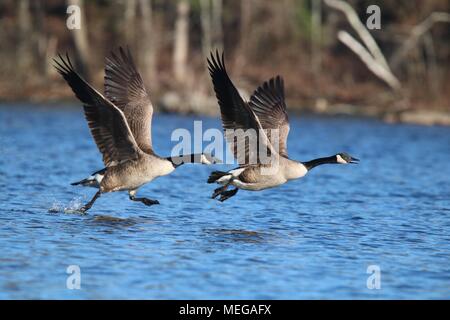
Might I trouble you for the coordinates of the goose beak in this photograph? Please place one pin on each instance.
(216, 160)
(354, 160)
(211, 160)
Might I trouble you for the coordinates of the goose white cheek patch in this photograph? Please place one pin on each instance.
(98, 177)
(340, 159)
(204, 159)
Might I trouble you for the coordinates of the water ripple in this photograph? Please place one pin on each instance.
(312, 238)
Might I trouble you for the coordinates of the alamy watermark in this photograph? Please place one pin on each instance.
(248, 146)
(374, 20)
(73, 21)
(374, 280)
(73, 281)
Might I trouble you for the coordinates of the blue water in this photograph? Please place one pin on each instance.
(311, 238)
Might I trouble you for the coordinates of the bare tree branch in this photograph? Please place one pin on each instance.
(379, 70)
(358, 26)
(416, 33)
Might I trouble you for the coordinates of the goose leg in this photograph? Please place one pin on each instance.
(218, 191)
(227, 194)
(146, 201)
(88, 205)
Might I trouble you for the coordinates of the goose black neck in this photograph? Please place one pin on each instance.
(187, 158)
(317, 162)
(175, 163)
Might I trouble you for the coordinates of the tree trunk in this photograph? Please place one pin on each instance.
(217, 29)
(181, 41)
(130, 18)
(205, 18)
(80, 39)
(43, 41)
(148, 49)
(246, 15)
(24, 58)
(316, 38)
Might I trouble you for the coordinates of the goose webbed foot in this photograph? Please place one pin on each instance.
(146, 201)
(219, 191)
(83, 209)
(88, 205)
(227, 194)
(149, 202)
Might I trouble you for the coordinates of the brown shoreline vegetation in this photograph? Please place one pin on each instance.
(297, 39)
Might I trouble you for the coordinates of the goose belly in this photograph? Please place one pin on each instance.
(124, 182)
(260, 185)
(151, 172)
(138, 181)
(130, 175)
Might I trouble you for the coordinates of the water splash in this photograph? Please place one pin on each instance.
(72, 208)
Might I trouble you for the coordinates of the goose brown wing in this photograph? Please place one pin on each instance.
(125, 88)
(107, 123)
(238, 119)
(268, 103)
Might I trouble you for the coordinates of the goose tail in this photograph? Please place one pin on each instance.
(78, 182)
(216, 175)
(91, 181)
(88, 182)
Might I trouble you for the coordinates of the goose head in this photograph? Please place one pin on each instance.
(345, 158)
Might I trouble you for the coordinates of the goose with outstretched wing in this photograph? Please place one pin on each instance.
(120, 123)
(262, 155)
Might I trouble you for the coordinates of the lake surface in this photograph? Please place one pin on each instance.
(308, 239)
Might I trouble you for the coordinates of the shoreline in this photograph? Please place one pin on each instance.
(205, 106)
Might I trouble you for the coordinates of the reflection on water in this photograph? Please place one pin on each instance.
(113, 221)
(312, 238)
(226, 235)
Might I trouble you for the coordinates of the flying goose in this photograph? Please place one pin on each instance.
(120, 123)
(265, 111)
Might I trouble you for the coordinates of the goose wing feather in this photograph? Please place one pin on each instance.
(107, 123)
(268, 103)
(237, 116)
(125, 88)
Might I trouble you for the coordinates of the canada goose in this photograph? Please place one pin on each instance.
(264, 112)
(120, 123)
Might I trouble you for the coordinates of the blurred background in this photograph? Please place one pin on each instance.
(331, 62)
